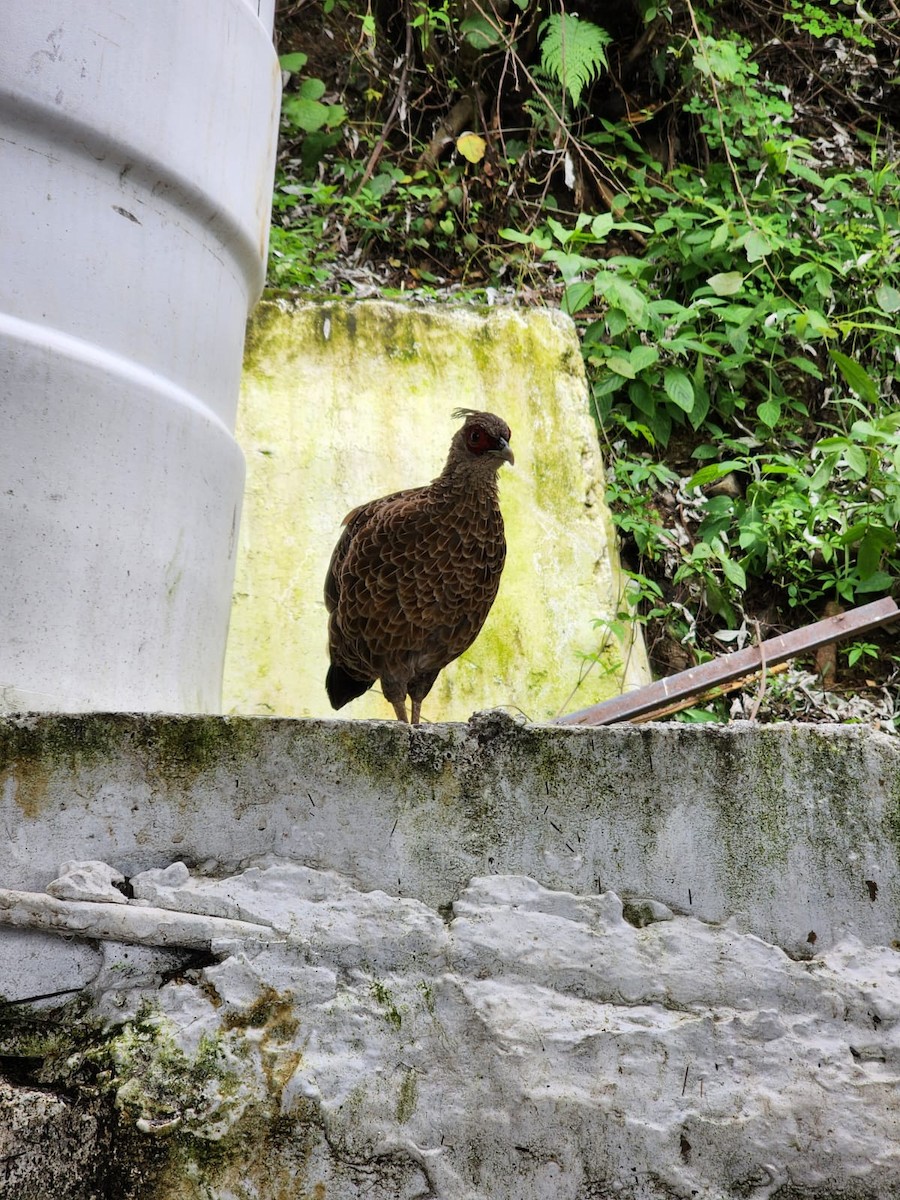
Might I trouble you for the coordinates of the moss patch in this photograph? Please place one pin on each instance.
(183, 747)
(32, 742)
(406, 1100)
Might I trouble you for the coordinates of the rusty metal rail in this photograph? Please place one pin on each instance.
(665, 693)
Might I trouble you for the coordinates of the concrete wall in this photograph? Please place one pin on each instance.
(464, 961)
(343, 402)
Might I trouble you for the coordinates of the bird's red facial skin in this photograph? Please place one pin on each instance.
(479, 441)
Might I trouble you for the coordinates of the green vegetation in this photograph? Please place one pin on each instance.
(392, 1014)
(712, 191)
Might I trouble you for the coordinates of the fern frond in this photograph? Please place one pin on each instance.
(573, 52)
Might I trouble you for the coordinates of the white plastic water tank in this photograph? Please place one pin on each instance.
(137, 150)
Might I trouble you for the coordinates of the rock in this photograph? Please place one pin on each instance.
(138, 923)
(125, 967)
(49, 1145)
(643, 911)
(429, 983)
(536, 1045)
(88, 881)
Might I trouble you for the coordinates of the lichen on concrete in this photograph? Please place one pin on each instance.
(486, 959)
(541, 1045)
(713, 822)
(346, 401)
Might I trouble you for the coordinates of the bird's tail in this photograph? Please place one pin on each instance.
(342, 688)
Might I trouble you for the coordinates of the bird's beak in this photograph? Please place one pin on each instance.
(505, 452)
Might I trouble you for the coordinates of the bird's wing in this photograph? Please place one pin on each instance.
(402, 578)
(354, 521)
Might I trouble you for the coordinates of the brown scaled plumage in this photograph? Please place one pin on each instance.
(414, 574)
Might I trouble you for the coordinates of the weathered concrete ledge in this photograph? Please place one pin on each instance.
(467, 961)
(793, 829)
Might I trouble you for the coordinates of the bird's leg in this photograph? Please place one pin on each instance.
(394, 691)
(419, 687)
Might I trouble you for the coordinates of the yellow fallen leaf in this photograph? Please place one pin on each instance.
(471, 146)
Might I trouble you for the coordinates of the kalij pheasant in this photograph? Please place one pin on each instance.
(414, 574)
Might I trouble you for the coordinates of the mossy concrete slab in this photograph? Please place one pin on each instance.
(525, 962)
(794, 830)
(343, 402)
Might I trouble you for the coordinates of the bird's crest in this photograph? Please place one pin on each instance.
(460, 414)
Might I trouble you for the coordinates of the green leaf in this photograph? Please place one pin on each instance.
(875, 543)
(479, 33)
(769, 412)
(643, 356)
(679, 388)
(821, 477)
(806, 365)
(701, 405)
(636, 428)
(786, 469)
(311, 89)
(609, 383)
(569, 265)
(716, 602)
(879, 581)
(305, 114)
(856, 377)
(720, 237)
(380, 185)
(560, 231)
(602, 225)
(661, 425)
(857, 461)
(697, 716)
(516, 235)
(573, 52)
(537, 239)
(641, 397)
(864, 431)
(577, 296)
(712, 472)
(727, 284)
(619, 294)
(887, 298)
(812, 323)
(720, 59)
(606, 223)
(734, 572)
(292, 62)
(756, 246)
(616, 322)
(621, 366)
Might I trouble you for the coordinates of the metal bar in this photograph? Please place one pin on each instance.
(664, 692)
(713, 693)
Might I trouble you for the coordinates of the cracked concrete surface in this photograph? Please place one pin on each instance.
(495, 961)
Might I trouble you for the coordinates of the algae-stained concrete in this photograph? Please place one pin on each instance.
(792, 829)
(343, 402)
(464, 961)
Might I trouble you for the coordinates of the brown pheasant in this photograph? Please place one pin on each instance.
(414, 574)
